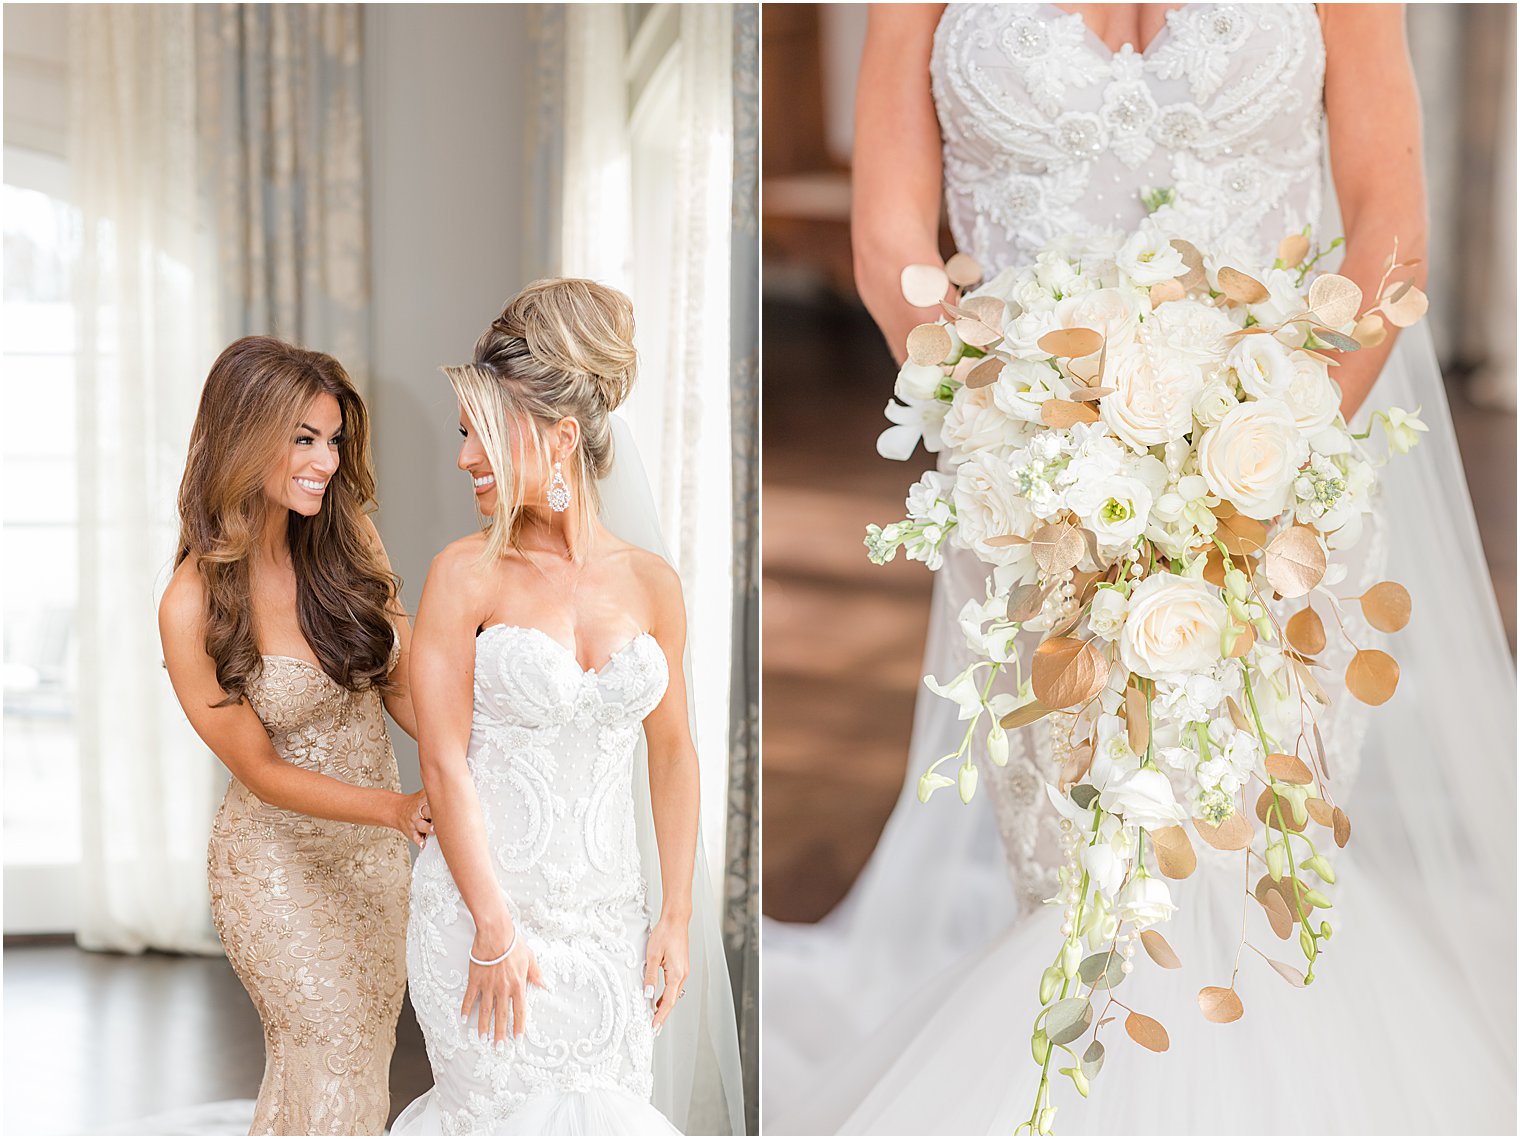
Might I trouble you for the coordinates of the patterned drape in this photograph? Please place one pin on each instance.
(281, 110)
(742, 894)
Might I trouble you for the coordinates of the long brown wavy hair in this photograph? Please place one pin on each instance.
(250, 410)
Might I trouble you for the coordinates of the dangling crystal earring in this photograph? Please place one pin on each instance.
(559, 492)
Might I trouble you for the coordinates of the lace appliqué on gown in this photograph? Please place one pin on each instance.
(551, 754)
(312, 913)
(1048, 134)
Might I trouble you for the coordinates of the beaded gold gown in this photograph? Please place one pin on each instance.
(312, 912)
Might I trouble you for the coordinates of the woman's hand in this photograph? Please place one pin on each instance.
(667, 953)
(500, 989)
(414, 818)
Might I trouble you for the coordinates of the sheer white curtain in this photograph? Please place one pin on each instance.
(149, 787)
(646, 206)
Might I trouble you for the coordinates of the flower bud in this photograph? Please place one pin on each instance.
(1325, 930)
(997, 744)
(1275, 861)
(1079, 1080)
(1315, 898)
(1236, 586)
(1039, 1044)
(1050, 984)
(966, 780)
(1320, 866)
(1047, 1120)
(1071, 958)
(1306, 943)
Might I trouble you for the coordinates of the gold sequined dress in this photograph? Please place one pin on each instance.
(312, 913)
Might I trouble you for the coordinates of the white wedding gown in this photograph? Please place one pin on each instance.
(551, 753)
(908, 1010)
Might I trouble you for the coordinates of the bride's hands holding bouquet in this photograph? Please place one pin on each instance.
(499, 981)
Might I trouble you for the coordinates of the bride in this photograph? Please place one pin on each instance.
(544, 644)
(907, 1009)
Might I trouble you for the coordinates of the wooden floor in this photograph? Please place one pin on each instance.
(97, 1039)
(842, 639)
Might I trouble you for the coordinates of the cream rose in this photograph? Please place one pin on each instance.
(1313, 398)
(988, 506)
(975, 422)
(1252, 457)
(1263, 367)
(1153, 396)
(1115, 313)
(1174, 625)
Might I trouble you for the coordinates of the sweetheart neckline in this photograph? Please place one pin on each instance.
(1109, 54)
(569, 652)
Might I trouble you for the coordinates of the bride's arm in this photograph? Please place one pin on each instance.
(894, 215)
(1373, 112)
(674, 797)
(443, 685)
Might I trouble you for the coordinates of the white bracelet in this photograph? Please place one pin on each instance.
(511, 945)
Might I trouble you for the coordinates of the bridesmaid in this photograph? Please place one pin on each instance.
(283, 633)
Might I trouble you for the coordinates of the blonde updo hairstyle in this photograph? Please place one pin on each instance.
(562, 348)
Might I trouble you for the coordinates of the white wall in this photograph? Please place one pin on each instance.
(446, 103)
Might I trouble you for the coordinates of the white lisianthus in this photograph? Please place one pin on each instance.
(1146, 901)
(1174, 626)
(918, 381)
(1115, 507)
(1114, 313)
(1263, 367)
(976, 423)
(1153, 395)
(1106, 617)
(1147, 258)
(1252, 457)
(1022, 388)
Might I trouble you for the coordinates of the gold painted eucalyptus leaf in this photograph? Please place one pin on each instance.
(1370, 331)
(1294, 561)
(1306, 632)
(1222, 1006)
(924, 286)
(1387, 606)
(1242, 288)
(1071, 342)
(1192, 259)
(1159, 949)
(1372, 676)
(985, 373)
(1147, 1032)
(1293, 249)
(1057, 547)
(1286, 972)
(1334, 299)
(1288, 768)
(1235, 833)
(1175, 856)
(928, 344)
(1405, 306)
(963, 270)
(1062, 413)
(1137, 720)
(1067, 672)
(1164, 291)
(1026, 714)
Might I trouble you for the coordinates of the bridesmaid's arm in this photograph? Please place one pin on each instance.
(237, 738)
(1373, 112)
(674, 793)
(894, 215)
(398, 701)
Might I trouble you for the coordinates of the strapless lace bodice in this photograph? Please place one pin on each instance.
(1047, 133)
(551, 754)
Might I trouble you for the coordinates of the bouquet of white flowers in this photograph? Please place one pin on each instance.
(1143, 443)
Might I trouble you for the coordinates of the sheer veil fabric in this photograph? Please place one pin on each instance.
(907, 1009)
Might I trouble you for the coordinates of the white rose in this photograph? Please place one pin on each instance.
(1115, 313)
(1193, 329)
(988, 506)
(1174, 626)
(1215, 400)
(1031, 295)
(1106, 618)
(1148, 258)
(1263, 366)
(1055, 272)
(1021, 335)
(1313, 397)
(918, 381)
(1153, 395)
(975, 423)
(1146, 901)
(1251, 458)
